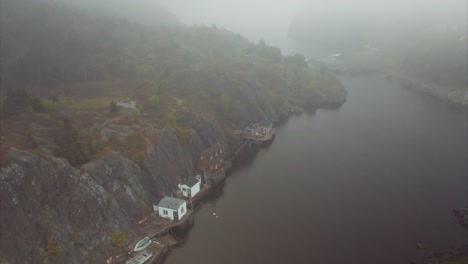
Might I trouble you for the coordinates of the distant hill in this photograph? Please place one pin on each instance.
(438, 54)
(45, 44)
(147, 12)
(423, 39)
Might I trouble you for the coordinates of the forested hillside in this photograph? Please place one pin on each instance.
(66, 62)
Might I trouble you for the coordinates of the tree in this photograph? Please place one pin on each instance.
(54, 99)
(224, 102)
(113, 107)
(71, 147)
(154, 101)
(52, 250)
(146, 71)
(119, 238)
(312, 89)
(171, 119)
(16, 102)
(155, 88)
(37, 104)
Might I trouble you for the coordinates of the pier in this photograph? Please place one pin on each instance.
(161, 226)
(217, 176)
(194, 201)
(213, 166)
(254, 134)
(159, 230)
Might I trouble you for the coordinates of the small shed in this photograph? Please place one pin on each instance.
(172, 208)
(190, 188)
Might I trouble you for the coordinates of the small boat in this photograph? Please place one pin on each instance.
(142, 244)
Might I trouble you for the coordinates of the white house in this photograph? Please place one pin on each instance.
(191, 187)
(171, 208)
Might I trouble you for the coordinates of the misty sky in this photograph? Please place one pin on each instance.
(254, 19)
(269, 19)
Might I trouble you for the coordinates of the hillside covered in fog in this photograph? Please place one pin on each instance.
(102, 115)
(425, 40)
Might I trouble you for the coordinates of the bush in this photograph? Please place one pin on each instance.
(154, 101)
(183, 134)
(52, 250)
(312, 89)
(146, 71)
(37, 105)
(113, 107)
(155, 88)
(50, 105)
(224, 102)
(119, 238)
(171, 120)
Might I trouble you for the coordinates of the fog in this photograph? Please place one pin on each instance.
(272, 20)
(268, 20)
(106, 106)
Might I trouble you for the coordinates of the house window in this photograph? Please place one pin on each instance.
(165, 212)
(182, 210)
(184, 189)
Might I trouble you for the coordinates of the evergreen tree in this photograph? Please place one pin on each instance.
(71, 147)
(113, 107)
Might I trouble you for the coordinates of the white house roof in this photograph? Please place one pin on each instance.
(191, 182)
(171, 203)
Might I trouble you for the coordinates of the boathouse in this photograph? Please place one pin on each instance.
(172, 208)
(191, 187)
(211, 160)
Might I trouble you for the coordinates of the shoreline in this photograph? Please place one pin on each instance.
(451, 95)
(248, 153)
(182, 229)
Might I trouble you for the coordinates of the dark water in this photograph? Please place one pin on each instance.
(361, 184)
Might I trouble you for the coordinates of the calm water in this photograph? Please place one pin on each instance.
(361, 184)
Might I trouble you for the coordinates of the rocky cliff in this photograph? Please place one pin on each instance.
(191, 87)
(52, 212)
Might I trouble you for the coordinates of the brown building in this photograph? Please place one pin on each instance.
(211, 160)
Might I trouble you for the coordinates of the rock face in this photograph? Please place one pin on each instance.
(457, 255)
(52, 212)
(44, 198)
(462, 216)
(267, 98)
(245, 97)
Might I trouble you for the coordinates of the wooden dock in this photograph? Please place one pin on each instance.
(254, 138)
(247, 139)
(158, 230)
(161, 226)
(220, 175)
(156, 251)
(194, 201)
